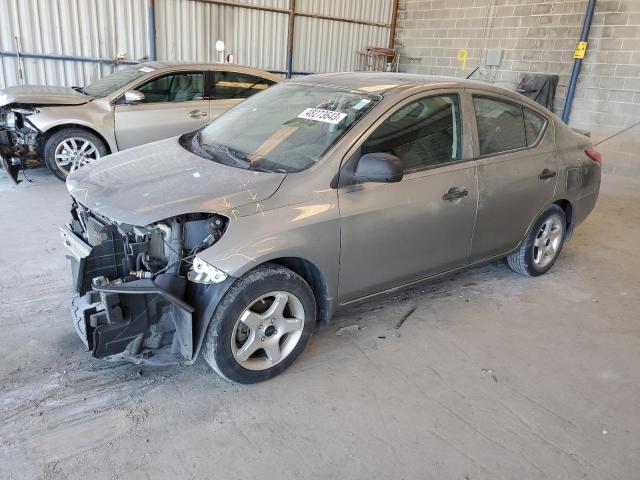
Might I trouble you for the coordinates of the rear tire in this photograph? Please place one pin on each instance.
(261, 325)
(70, 148)
(542, 246)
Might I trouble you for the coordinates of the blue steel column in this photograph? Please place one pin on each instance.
(292, 22)
(584, 36)
(151, 20)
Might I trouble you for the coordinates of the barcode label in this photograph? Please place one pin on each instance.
(322, 115)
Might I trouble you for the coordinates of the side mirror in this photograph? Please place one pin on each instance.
(132, 97)
(379, 167)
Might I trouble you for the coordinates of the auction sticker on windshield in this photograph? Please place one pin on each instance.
(322, 115)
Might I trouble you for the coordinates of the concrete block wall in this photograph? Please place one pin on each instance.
(537, 36)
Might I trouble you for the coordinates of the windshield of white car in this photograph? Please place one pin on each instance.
(109, 84)
(287, 128)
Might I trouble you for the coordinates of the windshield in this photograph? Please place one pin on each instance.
(286, 128)
(109, 84)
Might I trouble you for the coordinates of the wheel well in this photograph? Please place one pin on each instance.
(566, 206)
(568, 213)
(315, 279)
(57, 128)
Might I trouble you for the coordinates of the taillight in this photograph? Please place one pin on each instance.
(594, 155)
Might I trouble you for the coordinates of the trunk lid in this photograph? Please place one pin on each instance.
(159, 180)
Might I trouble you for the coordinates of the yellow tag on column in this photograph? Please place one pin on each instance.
(462, 57)
(581, 49)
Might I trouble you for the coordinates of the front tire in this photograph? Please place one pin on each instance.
(543, 244)
(70, 148)
(261, 325)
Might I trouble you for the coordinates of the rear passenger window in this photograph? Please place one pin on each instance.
(423, 134)
(500, 125)
(533, 126)
(232, 85)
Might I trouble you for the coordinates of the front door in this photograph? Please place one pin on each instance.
(395, 233)
(174, 103)
(517, 173)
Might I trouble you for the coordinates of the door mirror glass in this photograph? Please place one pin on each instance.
(379, 167)
(132, 97)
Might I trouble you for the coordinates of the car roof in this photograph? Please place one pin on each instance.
(165, 64)
(381, 82)
(210, 66)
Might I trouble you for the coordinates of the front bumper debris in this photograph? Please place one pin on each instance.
(132, 300)
(140, 320)
(137, 321)
(78, 248)
(12, 157)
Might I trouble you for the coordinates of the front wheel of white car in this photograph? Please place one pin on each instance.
(261, 325)
(71, 148)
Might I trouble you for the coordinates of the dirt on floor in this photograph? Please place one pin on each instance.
(484, 375)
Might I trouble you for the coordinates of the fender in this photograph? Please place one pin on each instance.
(308, 230)
(96, 119)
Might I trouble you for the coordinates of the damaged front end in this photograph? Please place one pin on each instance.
(141, 293)
(18, 138)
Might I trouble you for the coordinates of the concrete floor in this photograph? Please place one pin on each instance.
(494, 376)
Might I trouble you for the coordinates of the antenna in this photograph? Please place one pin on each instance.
(472, 72)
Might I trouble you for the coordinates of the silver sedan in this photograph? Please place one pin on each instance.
(70, 127)
(237, 240)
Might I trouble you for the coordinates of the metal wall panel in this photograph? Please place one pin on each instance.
(185, 30)
(281, 4)
(188, 30)
(331, 46)
(375, 11)
(89, 28)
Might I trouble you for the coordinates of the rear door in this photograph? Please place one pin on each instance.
(174, 103)
(395, 233)
(228, 88)
(517, 171)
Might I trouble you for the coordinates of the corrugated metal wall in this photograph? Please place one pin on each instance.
(374, 11)
(259, 38)
(331, 46)
(88, 28)
(186, 30)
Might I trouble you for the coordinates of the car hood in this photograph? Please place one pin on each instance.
(159, 180)
(42, 95)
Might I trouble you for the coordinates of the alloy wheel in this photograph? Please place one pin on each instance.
(75, 152)
(548, 241)
(268, 330)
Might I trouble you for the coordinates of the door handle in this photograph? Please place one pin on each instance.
(546, 174)
(454, 193)
(197, 114)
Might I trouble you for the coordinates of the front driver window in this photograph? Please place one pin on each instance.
(175, 87)
(423, 134)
